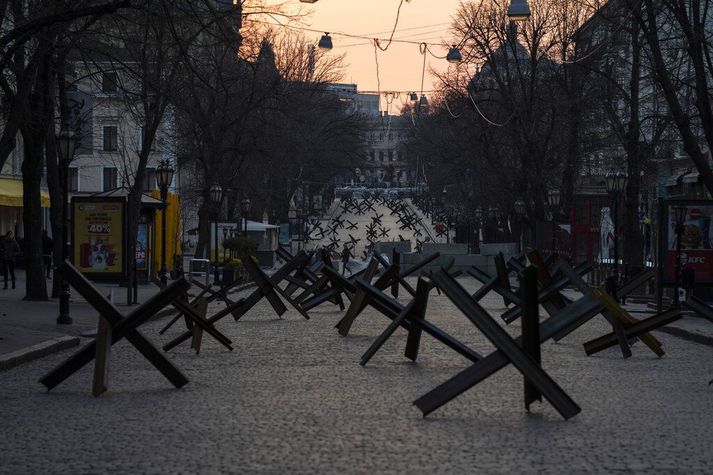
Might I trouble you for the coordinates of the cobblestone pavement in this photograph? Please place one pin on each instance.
(293, 398)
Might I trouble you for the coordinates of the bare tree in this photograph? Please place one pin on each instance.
(677, 36)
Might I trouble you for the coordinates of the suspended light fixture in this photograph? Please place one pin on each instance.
(454, 55)
(413, 96)
(325, 42)
(216, 194)
(616, 181)
(518, 10)
(553, 197)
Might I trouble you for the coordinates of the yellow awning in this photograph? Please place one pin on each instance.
(11, 194)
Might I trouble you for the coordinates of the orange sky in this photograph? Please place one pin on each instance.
(400, 66)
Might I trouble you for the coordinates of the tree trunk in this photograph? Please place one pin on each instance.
(55, 182)
(35, 284)
(633, 239)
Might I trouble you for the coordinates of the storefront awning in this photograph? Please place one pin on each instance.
(11, 194)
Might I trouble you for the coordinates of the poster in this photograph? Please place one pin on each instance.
(284, 237)
(142, 245)
(98, 236)
(696, 245)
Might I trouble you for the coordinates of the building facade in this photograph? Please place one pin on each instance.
(386, 163)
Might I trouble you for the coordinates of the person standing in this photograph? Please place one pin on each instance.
(10, 250)
(346, 254)
(47, 247)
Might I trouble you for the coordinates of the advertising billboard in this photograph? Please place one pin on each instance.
(98, 237)
(696, 249)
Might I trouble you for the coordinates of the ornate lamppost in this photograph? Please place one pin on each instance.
(679, 214)
(67, 142)
(216, 197)
(553, 200)
(164, 177)
(519, 208)
(245, 208)
(616, 183)
(292, 219)
(478, 226)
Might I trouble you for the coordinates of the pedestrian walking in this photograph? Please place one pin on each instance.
(10, 250)
(47, 248)
(346, 254)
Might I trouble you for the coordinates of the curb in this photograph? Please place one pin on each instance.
(686, 335)
(25, 355)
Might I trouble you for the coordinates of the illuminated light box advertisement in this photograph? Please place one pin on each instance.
(696, 241)
(98, 236)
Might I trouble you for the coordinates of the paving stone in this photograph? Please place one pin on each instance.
(293, 398)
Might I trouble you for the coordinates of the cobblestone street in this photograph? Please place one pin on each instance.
(293, 398)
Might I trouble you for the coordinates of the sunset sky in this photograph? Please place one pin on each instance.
(401, 65)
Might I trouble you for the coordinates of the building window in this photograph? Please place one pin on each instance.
(391, 155)
(381, 156)
(109, 82)
(391, 136)
(111, 178)
(72, 179)
(372, 155)
(150, 179)
(381, 136)
(111, 138)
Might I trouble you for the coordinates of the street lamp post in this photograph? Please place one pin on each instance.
(67, 142)
(225, 236)
(292, 219)
(478, 226)
(679, 213)
(553, 199)
(301, 216)
(446, 214)
(164, 177)
(519, 209)
(488, 227)
(216, 196)
(616, 183)
(499, 217)
(245, 207)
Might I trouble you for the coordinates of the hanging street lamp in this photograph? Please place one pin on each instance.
(454, 55)
(325, 42)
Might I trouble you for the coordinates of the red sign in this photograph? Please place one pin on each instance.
(696, 243)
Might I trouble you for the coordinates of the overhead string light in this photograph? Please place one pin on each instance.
(382, 43)
(423, 101)
(325, 42)
(519, 10)
(454, 55)
(393, 30)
